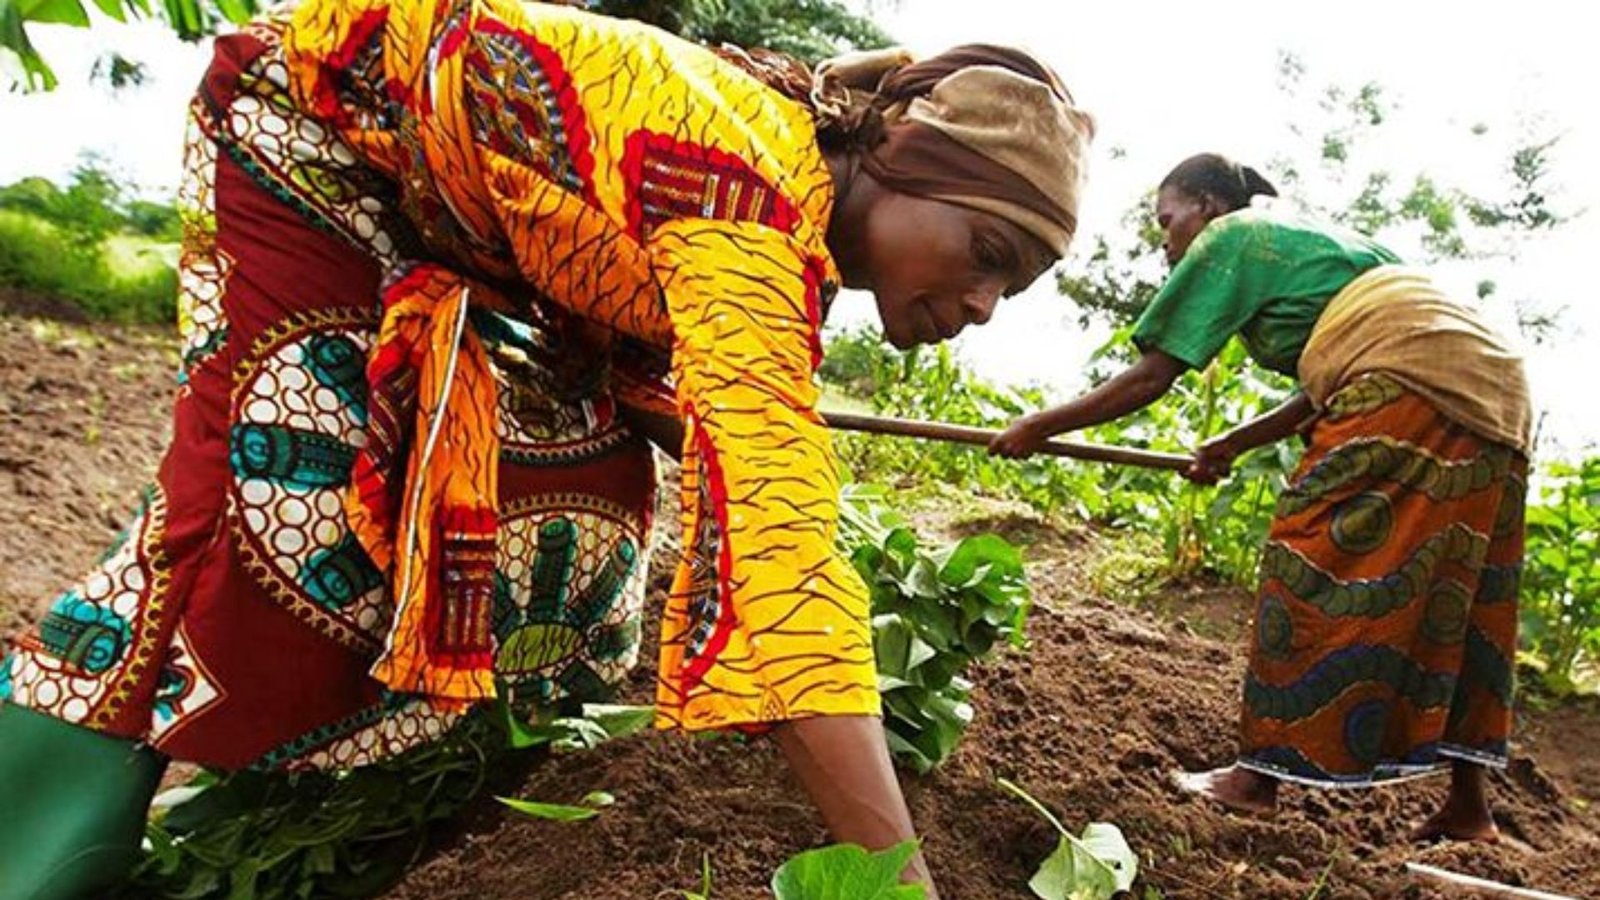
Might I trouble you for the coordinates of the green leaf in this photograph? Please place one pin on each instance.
(979, 551)
(112, 8)
(1093, 867)
(891, 641)
(36, 74)
(55, 12)
(1105, 842)
(320, 859)
(847, 872)
(887, 683)
(186, 17)
(922, 581)
(1071, 873)
(619, 720)
(553, 811)
(237, 11)
(919, 653)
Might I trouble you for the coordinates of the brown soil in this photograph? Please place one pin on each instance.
(1108, 699)
(83, 419)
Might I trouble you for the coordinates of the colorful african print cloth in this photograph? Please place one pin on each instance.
(639, 209)
(1386, 619)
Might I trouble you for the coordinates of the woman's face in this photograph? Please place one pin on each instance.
(936, 267)
(1181, 216)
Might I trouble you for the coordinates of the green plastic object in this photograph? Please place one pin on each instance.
(72, 806)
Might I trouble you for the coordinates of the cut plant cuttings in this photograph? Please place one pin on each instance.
(1096, 865)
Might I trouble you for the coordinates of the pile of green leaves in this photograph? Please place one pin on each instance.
(934, 613)
(274, 835)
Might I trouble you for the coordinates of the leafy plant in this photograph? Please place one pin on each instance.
(847, 872)
(1096, 865)
(1561, 577)
(600, 722)
(933, 614)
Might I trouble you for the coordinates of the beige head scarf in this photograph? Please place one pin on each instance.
(990, 128)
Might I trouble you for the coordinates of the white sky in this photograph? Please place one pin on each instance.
(1164, 80)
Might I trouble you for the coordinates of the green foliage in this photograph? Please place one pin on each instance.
(1096, 865)
(933, 615)
(191, 19)
(35, 256)
(923, 383)
(34, 194)
(600, 722)
(1561, 575)
(158, 221)
(847, 872)
(84, 214)
(1217, 528)
(272, 835)
(88, 243)
(1117, 279)
(353, 834)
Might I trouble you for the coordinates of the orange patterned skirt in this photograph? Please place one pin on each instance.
(1386, 618)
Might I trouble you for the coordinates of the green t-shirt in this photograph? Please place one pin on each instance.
(1264, 274)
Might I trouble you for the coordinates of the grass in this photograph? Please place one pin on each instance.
(128, 279)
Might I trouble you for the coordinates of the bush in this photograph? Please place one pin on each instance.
(129, 281)
(1561, 576)
(33, 257)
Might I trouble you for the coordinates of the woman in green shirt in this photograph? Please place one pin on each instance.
(1385, 621)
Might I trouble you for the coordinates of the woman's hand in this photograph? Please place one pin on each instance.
(1212, 461)
(1131, 390)
(1023, 438)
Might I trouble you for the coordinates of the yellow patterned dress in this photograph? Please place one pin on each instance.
(359, 531)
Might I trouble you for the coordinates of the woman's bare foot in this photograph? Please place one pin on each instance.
(1240, 790)
(1465, 815)
(1452, 824)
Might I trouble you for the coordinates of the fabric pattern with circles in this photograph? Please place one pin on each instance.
(301, 418)
(96, 639)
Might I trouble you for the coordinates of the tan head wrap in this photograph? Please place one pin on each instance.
(990, 128)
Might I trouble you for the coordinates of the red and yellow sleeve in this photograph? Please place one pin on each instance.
(766, 622)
